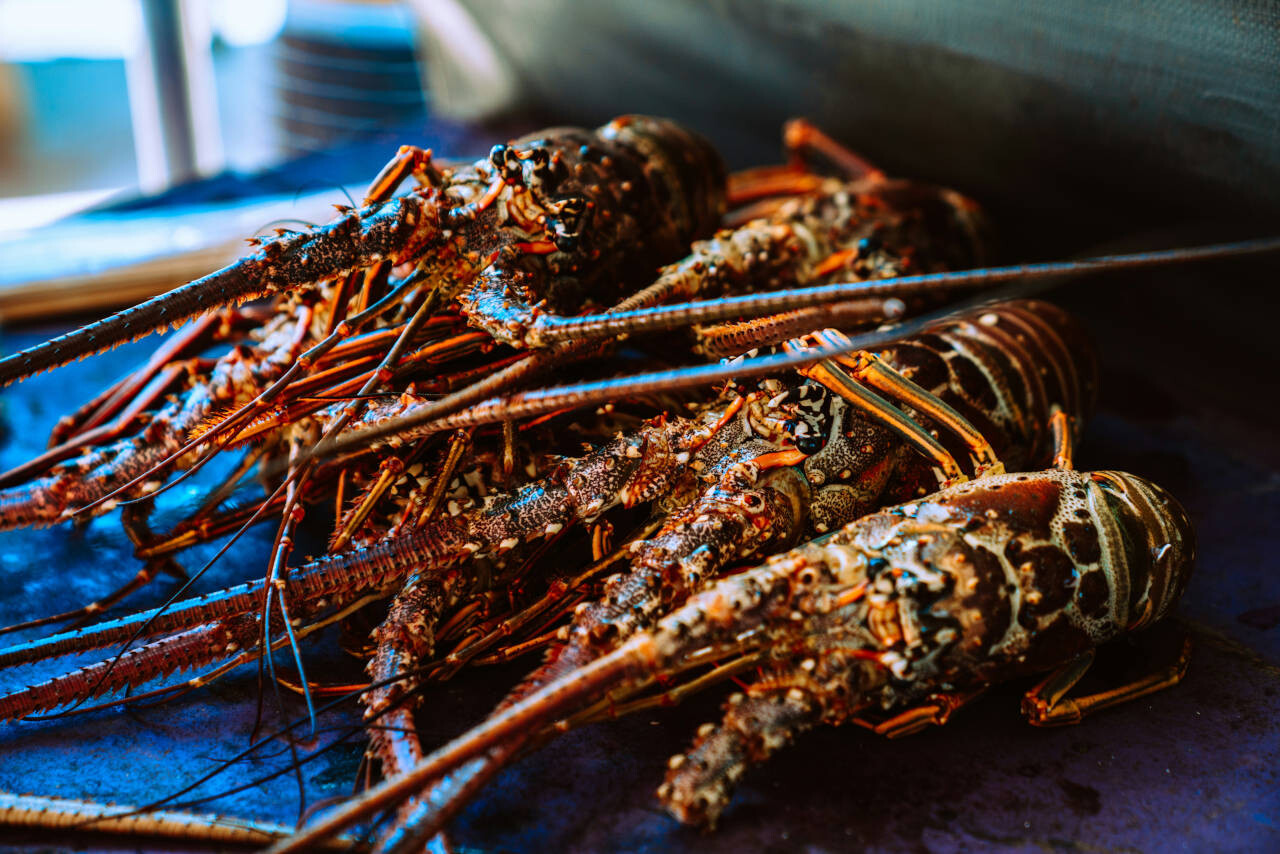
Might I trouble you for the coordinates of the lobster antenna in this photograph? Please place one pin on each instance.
(549, 329)
(538, 402)
(356, 239)
(541, 401)
(532, 713)
(257, 405)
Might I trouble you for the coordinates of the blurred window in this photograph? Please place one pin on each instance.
(66, 122)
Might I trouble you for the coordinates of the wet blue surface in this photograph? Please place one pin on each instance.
(1187, 402)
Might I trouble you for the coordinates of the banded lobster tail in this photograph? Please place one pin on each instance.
(911, 611)
(562, 217)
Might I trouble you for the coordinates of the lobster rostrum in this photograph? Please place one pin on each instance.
(910, 611)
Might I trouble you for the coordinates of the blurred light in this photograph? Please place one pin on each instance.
(36, 30)
(241, 23)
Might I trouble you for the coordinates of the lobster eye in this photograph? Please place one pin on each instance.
(569, 217)
(810, 444)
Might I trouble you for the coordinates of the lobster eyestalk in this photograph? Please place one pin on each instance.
(396, 230)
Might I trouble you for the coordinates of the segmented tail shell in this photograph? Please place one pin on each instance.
(1025, 357)
(1159, 543)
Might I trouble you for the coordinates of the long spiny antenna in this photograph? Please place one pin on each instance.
(256, 406)
(1022, 281)
(530, 714)
(380, 231)
(550, 329)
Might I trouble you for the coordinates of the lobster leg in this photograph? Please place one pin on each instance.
(183, 345)
(875, 372)
(1063, 434)
(885, 414)
(936, 711)
(802, 139)
(1048, 703)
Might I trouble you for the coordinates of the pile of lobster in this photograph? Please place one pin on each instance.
(868, 501)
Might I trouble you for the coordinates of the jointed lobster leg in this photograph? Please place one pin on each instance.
(1049, 703)
(869, 369)
(185, 344)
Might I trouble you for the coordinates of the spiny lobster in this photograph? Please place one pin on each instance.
(872, 228)
(563, 216)
(911, 611)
